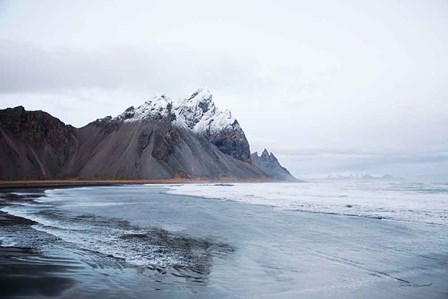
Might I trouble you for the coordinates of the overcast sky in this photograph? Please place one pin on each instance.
(328, 86)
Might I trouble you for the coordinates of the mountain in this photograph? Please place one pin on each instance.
(357, 176)
(34, 144)
(188, 138)
(385, 177)
(154, 141)
(271, 166)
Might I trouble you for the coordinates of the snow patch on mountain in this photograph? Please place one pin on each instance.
(197, 112)
(157, 107)
(200, 114)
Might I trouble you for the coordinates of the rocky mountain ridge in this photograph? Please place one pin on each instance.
(189, 138)
(357, 176)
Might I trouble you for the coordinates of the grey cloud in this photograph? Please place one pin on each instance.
(27, 68)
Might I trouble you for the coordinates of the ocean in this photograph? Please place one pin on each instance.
(316, 239)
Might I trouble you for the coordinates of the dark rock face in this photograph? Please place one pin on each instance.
(35, 126)
(270, 165)
(143, 141)
(231, 141)
(165, 142)
(34, 144)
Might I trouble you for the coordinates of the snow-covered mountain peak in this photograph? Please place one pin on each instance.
(156, 108)
(202, 99)
(201, 115)
(197, 113)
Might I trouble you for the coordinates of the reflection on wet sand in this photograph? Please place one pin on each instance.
(25, 273)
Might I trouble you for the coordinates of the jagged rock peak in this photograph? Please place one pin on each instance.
(200, 113)
(270, 165)
(202, 99)
(267, 156)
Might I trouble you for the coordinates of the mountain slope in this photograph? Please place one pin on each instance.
(152, 149)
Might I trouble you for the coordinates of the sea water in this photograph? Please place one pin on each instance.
(318, 239)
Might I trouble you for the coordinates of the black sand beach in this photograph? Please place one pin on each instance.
(25, 271)
(44, 266)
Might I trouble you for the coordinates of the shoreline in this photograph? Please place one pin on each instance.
(26, 184)
(68, 183)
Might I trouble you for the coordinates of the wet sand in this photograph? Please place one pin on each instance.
(71, 183)
(25, 272)
(52, 268)
(12, 185)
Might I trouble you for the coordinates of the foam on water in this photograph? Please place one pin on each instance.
(402, 201)
(99, 204)
(152, 248)
(8, 241)
(42, 219)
